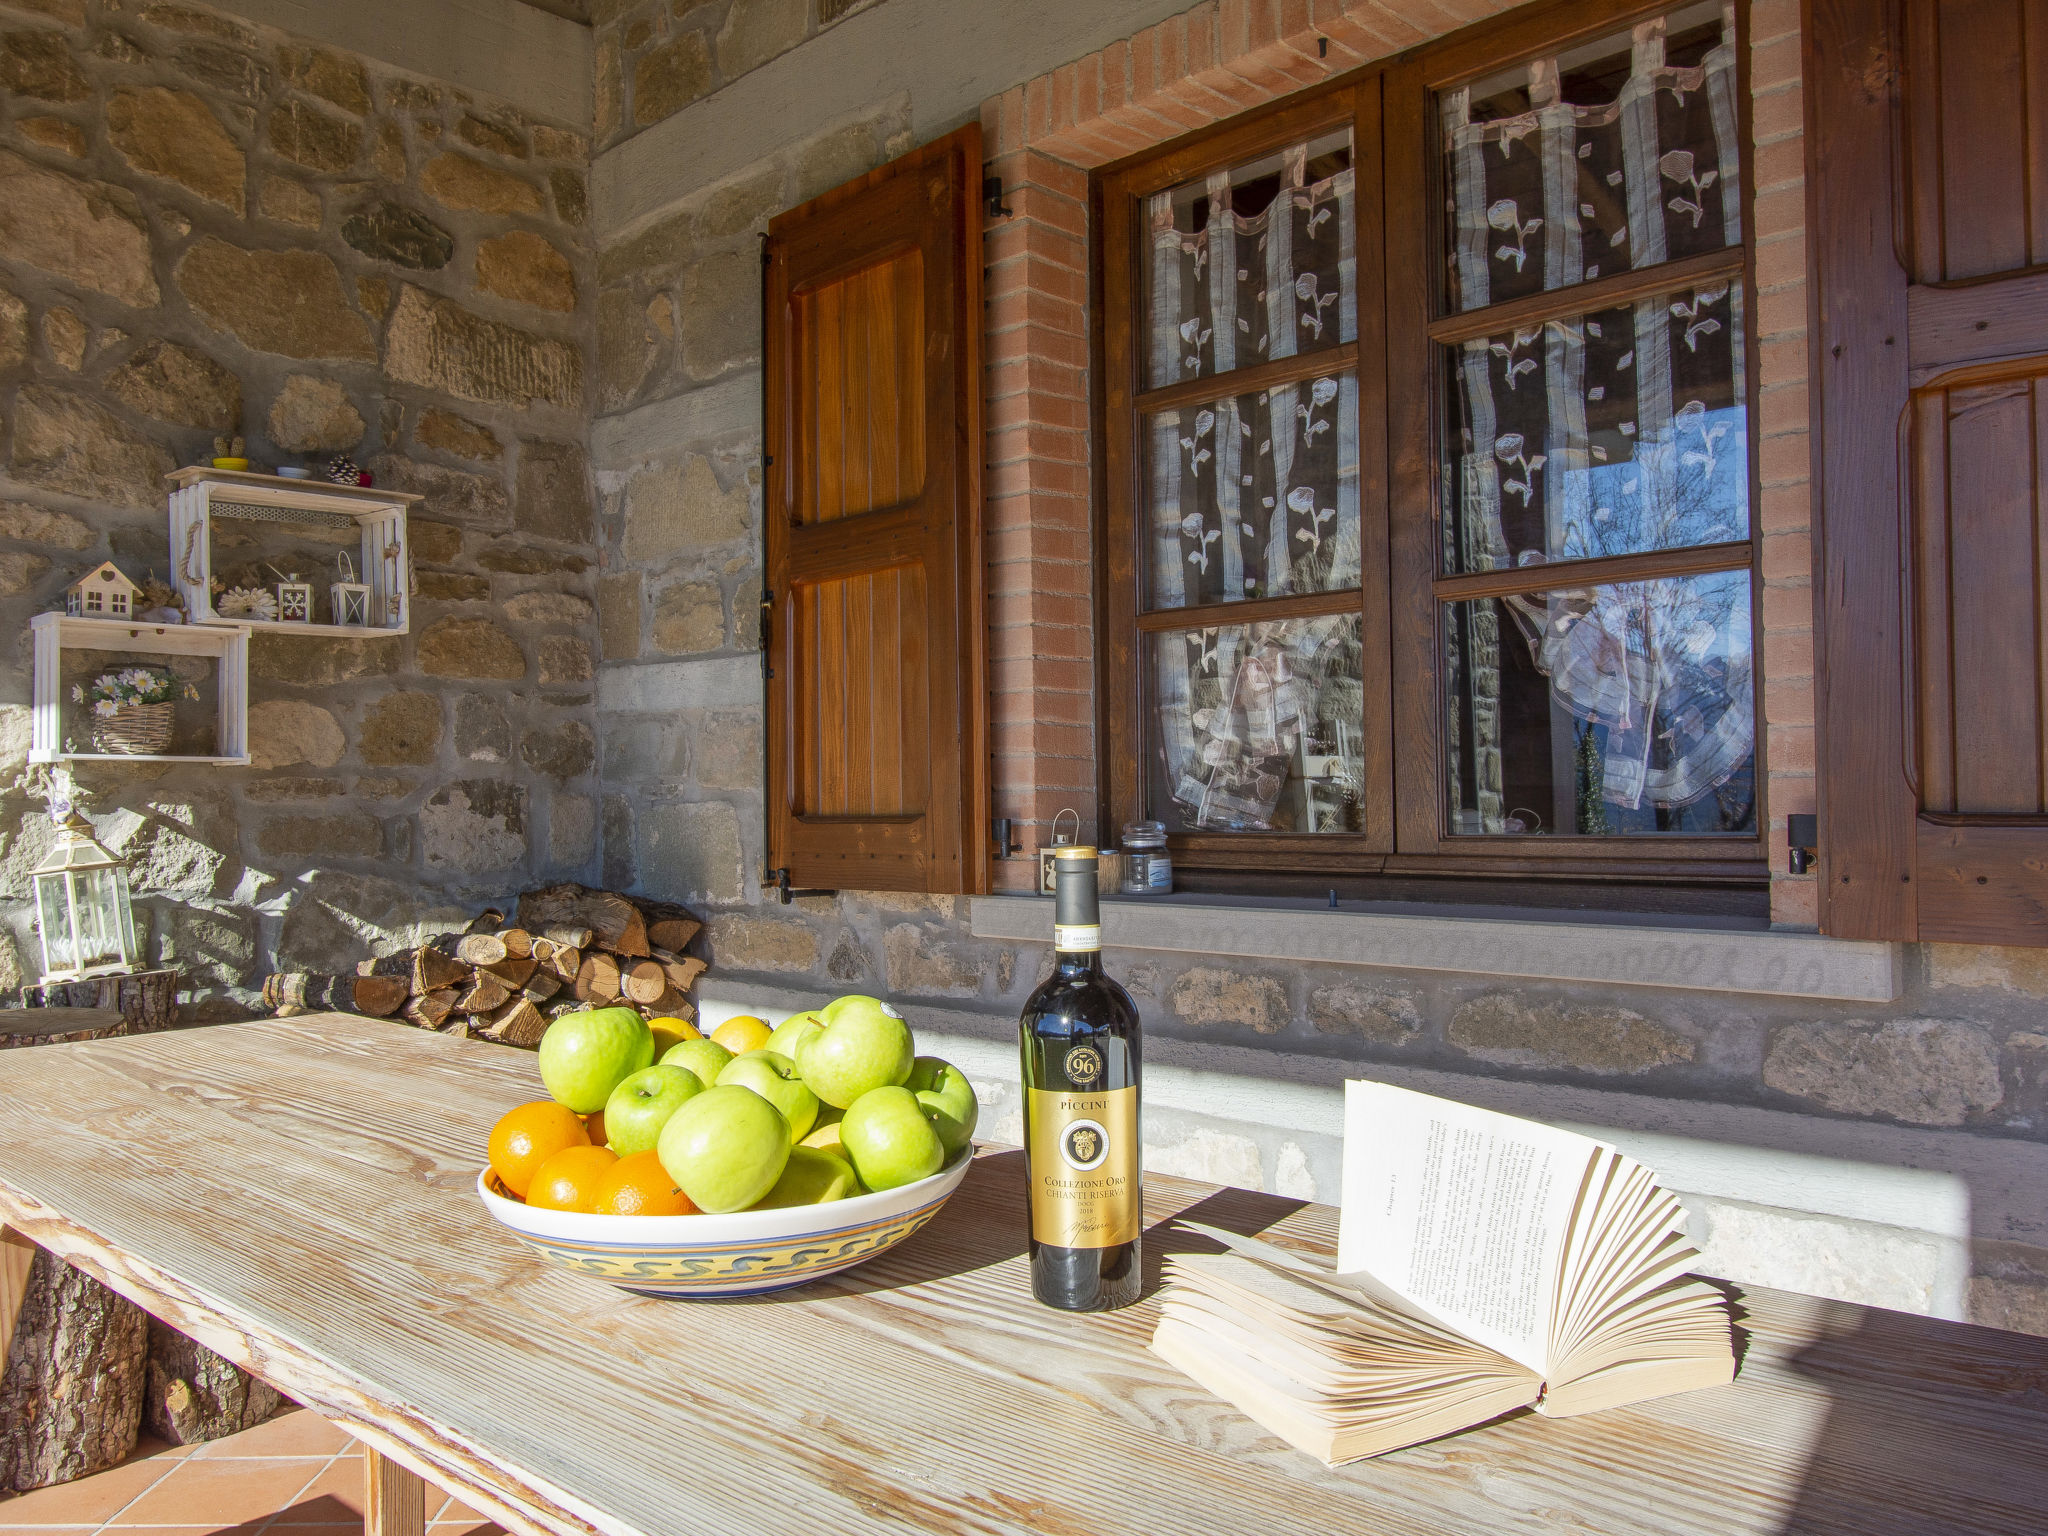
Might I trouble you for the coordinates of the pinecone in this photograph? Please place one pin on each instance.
(343, 470)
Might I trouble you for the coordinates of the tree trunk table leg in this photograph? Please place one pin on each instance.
(17, 1253)
(71, 1390)
(394, 1497)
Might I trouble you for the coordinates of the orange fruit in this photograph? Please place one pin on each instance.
(742, 1033)
(568, 1181)
(528, 1136)
(670, 1033)
(594, 1124)
(640, 1186)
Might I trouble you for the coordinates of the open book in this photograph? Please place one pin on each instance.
(1484, 1264)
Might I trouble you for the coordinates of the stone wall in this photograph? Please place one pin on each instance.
(208, 227)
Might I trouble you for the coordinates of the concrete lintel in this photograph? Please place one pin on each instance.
(729, 408)
(663, 687)
(540, 63)
(1694, 959)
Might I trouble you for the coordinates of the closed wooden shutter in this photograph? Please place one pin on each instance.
(1930, 194)
(876, 694)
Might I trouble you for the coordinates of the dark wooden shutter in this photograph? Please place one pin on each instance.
(876, 695)
(1929, 182)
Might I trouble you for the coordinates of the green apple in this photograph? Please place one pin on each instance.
(773, 1076)
(640, 1106)
(947, 1099)
(825, 1131)
(725, 1148)
(793, 1030)
(890, 1140)
(584, 1056)
(811, 1177)
(862, 1044)
(705, 1057)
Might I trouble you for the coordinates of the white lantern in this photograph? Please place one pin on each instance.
(349, 599)
(295, 602)
(82, 907)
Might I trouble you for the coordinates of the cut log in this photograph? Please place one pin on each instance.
(567, 962)
(544, 950)
(517, 941)
(644, 982)
(432, 970)
(672, 933)
(673, 1005)
(72, 1393)
(541, 986)
(517, 1023)
(682, 971)
(613, 920)
(514, 973)
(56, 1026)
(597, 979)
(147, 1000)
(481, 949)
(430, 1010)
(568, 936)
(195, 1394)
(486, 994)
(490, 920)
(561, 1006)
(377, 996)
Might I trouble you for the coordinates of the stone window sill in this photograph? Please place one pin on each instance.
(1624, 950)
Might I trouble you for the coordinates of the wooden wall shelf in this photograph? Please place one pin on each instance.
(226, 644)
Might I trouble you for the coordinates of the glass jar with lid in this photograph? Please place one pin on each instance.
(1148, 867)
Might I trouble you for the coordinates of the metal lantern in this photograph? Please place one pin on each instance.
(82, 907)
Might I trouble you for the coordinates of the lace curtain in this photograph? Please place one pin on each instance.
(1608, 432)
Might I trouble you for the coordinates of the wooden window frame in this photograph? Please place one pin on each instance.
(1402, 325)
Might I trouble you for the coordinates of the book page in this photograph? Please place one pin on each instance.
(1462, 1210)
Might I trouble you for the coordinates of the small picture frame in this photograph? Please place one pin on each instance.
(295, 602)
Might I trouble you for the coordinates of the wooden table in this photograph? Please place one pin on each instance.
(299, 1195)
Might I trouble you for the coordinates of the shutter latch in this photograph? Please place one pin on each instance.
(1802, 842)
(767, 632)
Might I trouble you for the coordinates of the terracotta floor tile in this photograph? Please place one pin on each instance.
(89, 1500)
(200, 1490)
(336, 1495)
(295, 1432)
(46, 1530)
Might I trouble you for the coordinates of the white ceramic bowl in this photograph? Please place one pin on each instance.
(740, 1254)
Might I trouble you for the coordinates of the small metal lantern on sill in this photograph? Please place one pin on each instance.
(82, 909)
(348, 599)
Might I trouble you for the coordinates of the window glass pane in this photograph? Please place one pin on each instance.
(1605, 710)
(1254, 496)
(1619, 153)
(1258, 727)
(1253, 263)
(1600, 434)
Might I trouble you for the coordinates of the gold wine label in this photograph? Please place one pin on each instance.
(1084, 1166)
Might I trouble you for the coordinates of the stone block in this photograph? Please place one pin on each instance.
(316, 139)
(689, 617)
(287, 731)
(67, 442)
(482, 733)
(1201, 1152)
(54, 133)
(658, 253)
(287, 302)
(513, 559)
(389, 231)
(349, 835)
(667, 79)
(451, 587)
(628, 346)
(470, 648)
(387, 154)
(319, 663)
(553, 492)
(682, 509)
(177, 384)
(615, 824)
(572, 830)
(436, 344)
(740, 207)
(564, 659)
(1368, 1013)
(1209, 995)
(457, 435)
(39, 65)
(221, 68)
(721, 306)
(1509, 1028)
(400, 728)
(331, 75)
(688, 852)
(64, 332)
(755, 31)
(618, 615)
(474, 826)
(561, 752)
(1922, 1071)
(571, 194)
(923, 960)
(210, 944)
(727, 753)
(470, 185)
(333, 919)
(175, 135)
(475, 501)
(527, 269)
(20, 572)
(86, 232)
(292, 787)
(434, 543)
(549, 608)
(835, 158)
(850, 959)
(13, 330)
(2021, 971)
(745, 943)
(290, 203)
(499, 138)
(178, 842)
(314, 415)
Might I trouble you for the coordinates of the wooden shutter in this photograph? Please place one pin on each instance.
(876, 693)
(1930, 201)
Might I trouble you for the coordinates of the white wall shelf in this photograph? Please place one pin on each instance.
(227, 645)
(202, 497)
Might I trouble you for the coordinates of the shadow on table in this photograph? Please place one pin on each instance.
(1244, 1211)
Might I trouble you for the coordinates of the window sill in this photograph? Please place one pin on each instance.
(1629, 951)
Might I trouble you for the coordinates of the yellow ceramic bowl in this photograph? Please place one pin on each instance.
(740, 1254)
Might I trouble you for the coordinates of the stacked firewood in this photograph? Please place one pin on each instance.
(566, 947)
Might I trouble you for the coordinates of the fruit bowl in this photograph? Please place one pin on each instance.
(740, 1254)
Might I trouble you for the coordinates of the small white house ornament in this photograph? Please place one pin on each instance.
(348, 598)
(101, 594)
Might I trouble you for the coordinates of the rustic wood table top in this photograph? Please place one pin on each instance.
(300, 1196)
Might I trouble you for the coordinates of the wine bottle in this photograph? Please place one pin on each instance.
(1079, 1039)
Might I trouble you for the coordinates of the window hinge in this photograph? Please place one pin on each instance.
(1802, 842)
(778, 880)
(992, 198)
(1005, 829)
